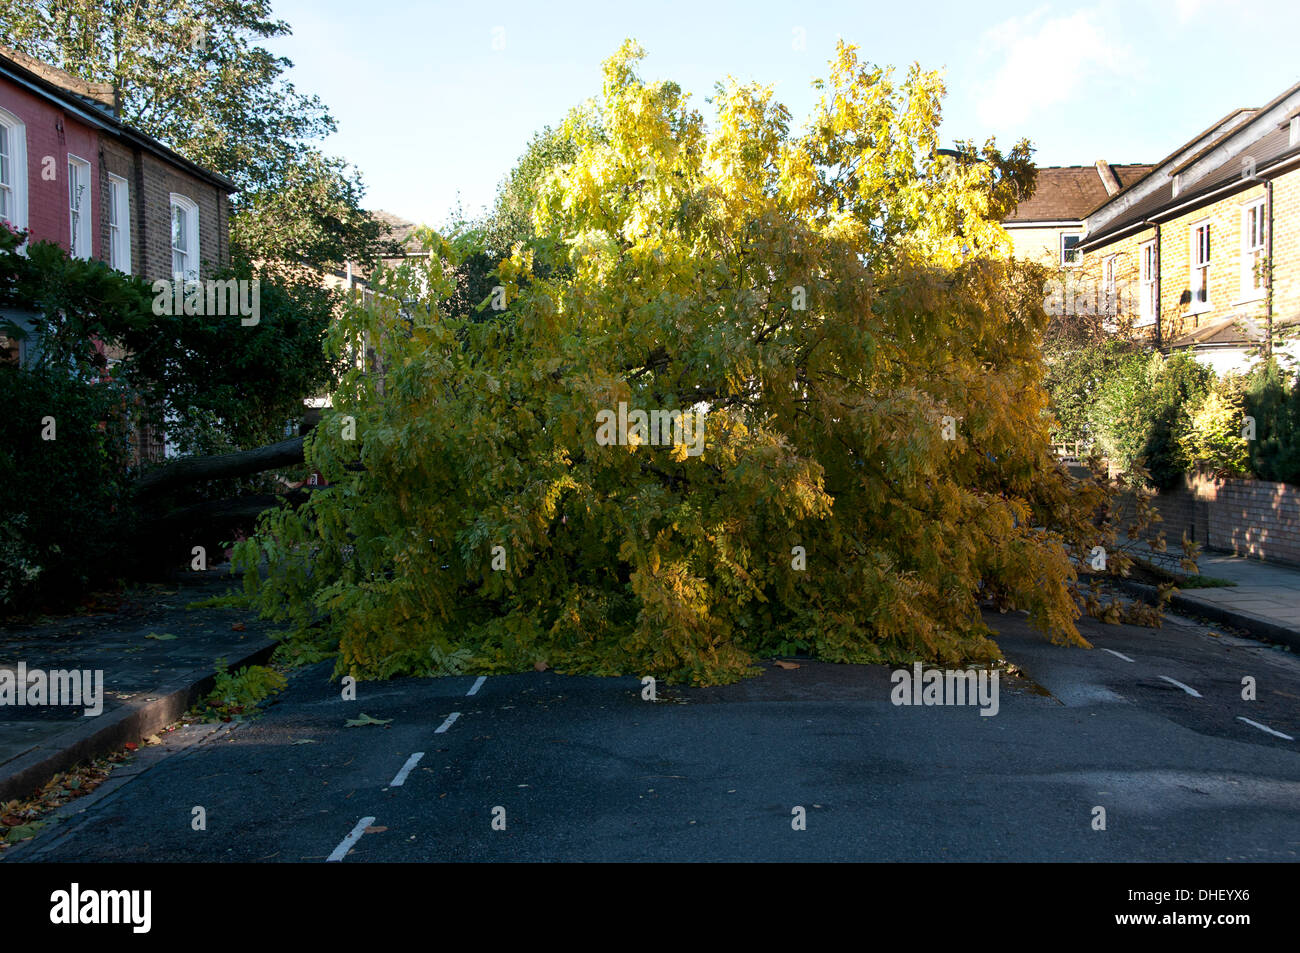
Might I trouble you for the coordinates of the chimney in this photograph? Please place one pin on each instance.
(1107, 177)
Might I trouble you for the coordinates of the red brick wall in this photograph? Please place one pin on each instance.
(1253, 518)
(52, 132)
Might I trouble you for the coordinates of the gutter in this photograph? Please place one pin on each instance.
(1173, 210)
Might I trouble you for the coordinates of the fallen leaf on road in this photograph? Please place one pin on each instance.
(25, 831)
(781, 664)
(165, 637)
(365, 720)
(305, 741)
(238, 627)
(375, 830)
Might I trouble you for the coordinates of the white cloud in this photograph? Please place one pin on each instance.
(1043, 62)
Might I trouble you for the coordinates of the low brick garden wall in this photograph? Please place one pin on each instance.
(1253, 518)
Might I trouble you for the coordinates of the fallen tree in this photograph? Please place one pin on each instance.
(241, 463)
(848, 357)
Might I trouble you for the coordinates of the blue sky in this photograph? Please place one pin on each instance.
(429, 111)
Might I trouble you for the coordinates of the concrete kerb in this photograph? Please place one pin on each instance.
(110, 732)
(1255, 626)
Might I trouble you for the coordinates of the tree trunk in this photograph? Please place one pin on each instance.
(242, 463)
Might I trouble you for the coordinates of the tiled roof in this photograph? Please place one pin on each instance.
(398, 229)
(1267, 150)
(1068, 193)
(88, 101)
(1232, 331)
(101, 96)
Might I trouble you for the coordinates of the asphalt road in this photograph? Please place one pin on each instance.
(585, 769)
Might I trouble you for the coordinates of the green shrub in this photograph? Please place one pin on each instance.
(1144, 409)
(67, 511)
(1212, 436)
(1274, 402)
(1077, 371)
(237, 695)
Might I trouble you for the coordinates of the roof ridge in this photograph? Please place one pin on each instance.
(101, 94)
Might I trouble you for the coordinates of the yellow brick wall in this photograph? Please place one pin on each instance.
(1286, 246)
(1225, 276)
(1128, 272)
(1226, 298)
(1040, 244)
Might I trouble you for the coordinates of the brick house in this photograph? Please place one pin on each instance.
(356, 277)
(1048, 226)
(72, 173)
(1202, 251)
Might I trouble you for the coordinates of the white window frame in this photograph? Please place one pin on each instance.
(1198, 267)
(81, 212)
(119, 223)
(16, 133)
(1061, 246)
(1252, 254)
(191, 252)
(1148, 278)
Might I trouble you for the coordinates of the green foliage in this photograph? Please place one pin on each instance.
(71, 306)
(1212, 436)
(78, 307)
(265, 369)
(234, 599)
(67, 513)
(18, 568)
(1077, 371)
(236, 696)
(1143, 410)
(1274, 401)
(510, 222)
(827, 297)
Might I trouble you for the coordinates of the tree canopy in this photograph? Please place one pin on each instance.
(836, 306)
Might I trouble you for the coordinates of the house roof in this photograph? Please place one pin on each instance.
(1232, 331)
(96, 105)
(1270, 149)
(399, 230)
(1068, 193)
(102, 96)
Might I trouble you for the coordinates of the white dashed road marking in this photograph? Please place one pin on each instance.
(451, 719)
(1265, 728)
(345, 845)
(1120, 654)
(477, 685)
(1191, 691)
(411, 762)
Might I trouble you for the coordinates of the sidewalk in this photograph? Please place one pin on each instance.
(1266, 595)
(148, 682)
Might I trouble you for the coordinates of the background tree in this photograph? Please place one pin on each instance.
(842, 305)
